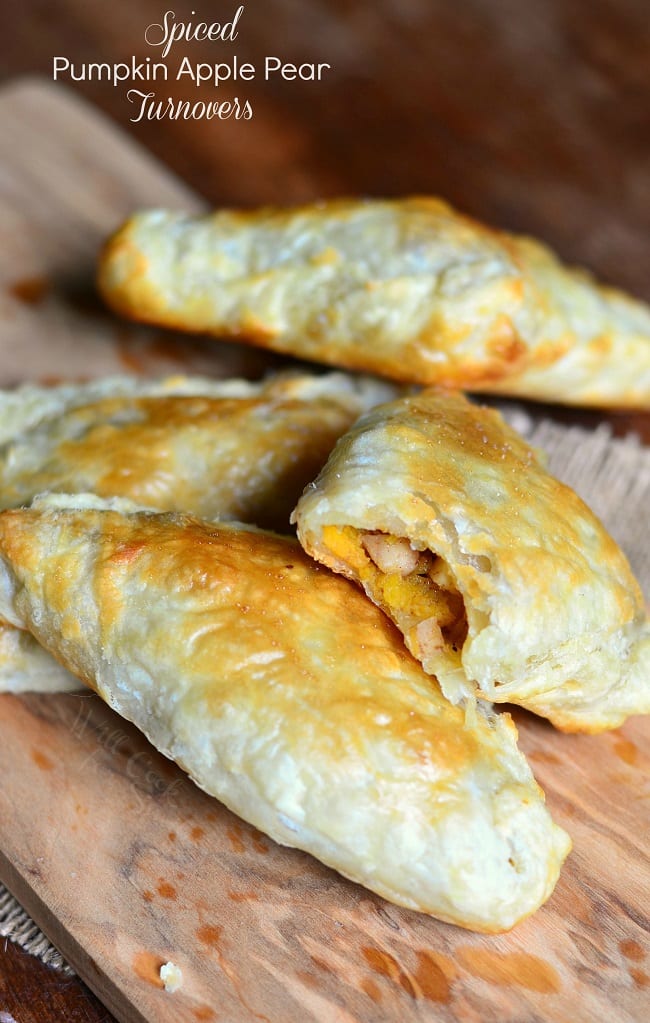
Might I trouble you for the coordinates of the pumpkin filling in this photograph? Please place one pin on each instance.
(416, 588)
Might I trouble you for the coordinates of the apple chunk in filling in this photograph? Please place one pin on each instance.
(416, 588)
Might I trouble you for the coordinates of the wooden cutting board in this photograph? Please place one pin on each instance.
(126, 865)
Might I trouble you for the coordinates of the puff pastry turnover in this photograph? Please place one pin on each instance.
(408, 289)
(289, 696)
(231, 448)
(502, 581)
(228, 449)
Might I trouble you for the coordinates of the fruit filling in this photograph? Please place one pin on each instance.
(416, 588)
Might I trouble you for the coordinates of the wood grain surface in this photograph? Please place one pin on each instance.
(531, 115)
(127, 865)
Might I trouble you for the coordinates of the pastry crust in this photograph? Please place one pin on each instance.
(25, 667)
(231, 449)
(286, 694)
(503, 582)
(227, 449)
(408, 289)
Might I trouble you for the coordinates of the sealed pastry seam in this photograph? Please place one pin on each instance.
(310, 719)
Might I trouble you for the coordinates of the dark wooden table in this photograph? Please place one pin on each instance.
(531, 114)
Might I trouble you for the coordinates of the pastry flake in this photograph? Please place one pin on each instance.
(502, 581)
(408, 289)
(290, 697)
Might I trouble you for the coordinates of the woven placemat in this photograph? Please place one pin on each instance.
(611, 475)
(19, 927)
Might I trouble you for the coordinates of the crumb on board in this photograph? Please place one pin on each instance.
(171, 976)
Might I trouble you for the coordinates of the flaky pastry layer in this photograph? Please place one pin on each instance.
(25, 667)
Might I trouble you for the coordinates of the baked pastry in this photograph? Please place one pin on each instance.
(408, 289)
(503, 582)
(24, 406)
(290, 697)
(229, 449)
(25, 667)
